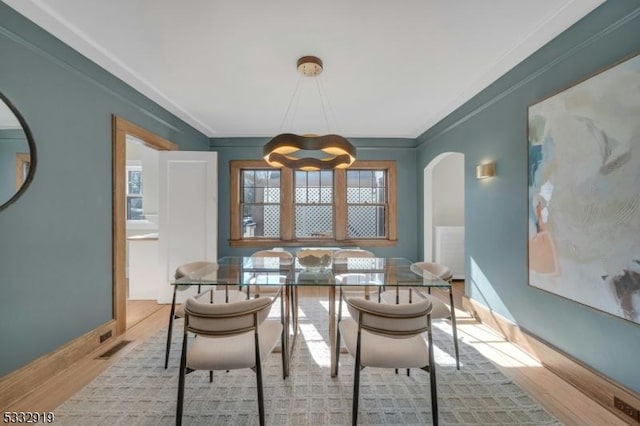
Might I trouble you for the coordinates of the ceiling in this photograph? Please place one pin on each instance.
(228, 68)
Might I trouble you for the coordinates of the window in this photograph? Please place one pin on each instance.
(366, 203)
(284, 207)
(134, 193)
(313, 203)
(260, 203)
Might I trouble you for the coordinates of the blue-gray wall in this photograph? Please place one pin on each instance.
(400, 150)
(493, 125)
(55, 241)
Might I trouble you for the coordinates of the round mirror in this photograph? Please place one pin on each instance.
(17, 154)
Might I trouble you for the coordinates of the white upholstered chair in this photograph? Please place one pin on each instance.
(440, 309)
(271, 290)
(343, 255)
(286, 261)
(212, 296)
(389, 336)
(229, 336)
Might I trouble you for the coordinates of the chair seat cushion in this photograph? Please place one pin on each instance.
(233, 352)
(385, 352)
(439, 309)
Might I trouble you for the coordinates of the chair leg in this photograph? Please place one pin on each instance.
(183, 368)
(432, 375)
(356, 385)
(294, 291)
(210, 376)
(338, 332)
(283, 343)
(454, 328)
(259, 380)
(173, 312)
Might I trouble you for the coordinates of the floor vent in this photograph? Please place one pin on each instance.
(114, 349)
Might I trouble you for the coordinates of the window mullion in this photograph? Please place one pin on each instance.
(287, 219)
(392, 227)
(340, 204)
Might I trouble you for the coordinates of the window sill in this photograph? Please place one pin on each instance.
(316, 242)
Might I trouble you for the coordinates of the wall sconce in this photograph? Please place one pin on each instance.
(486, 170)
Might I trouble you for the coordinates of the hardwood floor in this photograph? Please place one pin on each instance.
(137, 310)
(562, 400)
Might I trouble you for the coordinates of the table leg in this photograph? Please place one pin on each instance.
(285, 326)
(294, 292)
(454, 327)
(171, 315)
(332, 330)
(293, 297)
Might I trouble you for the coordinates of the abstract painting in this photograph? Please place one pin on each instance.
(584, 192)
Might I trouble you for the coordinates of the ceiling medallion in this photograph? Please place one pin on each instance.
(331, 151)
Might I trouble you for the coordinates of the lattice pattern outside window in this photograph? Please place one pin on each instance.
(272, 221)
(367, 192)
(313, 204)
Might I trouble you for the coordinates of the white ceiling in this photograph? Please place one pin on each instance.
(392, 68)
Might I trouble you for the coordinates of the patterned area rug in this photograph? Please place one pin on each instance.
(137, 390)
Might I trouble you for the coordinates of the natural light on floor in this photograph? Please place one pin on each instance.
(495, 347)
(318, 347)
(487, 342)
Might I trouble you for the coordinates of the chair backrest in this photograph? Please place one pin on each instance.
(188, 268)
(341, 256)
(226, 318)
(402, 320)
(432, 270)
(284, 256)
(286, 259)
(347, 253)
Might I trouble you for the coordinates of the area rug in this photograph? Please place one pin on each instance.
(137, 390)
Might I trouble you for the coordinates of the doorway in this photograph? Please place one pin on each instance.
(444, 211)
(121, 129)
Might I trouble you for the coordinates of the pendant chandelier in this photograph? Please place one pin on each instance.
(330, 151)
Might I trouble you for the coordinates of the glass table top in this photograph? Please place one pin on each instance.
(274, 271)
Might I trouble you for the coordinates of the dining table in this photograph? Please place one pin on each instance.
(246, 272)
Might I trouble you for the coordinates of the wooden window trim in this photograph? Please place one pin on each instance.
(287, 223)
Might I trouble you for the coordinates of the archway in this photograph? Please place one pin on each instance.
(443, 197)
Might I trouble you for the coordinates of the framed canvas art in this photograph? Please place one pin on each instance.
(584, 191)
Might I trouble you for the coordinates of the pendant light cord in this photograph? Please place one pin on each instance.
(324, 111)
(325, 105)
(293, 96)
